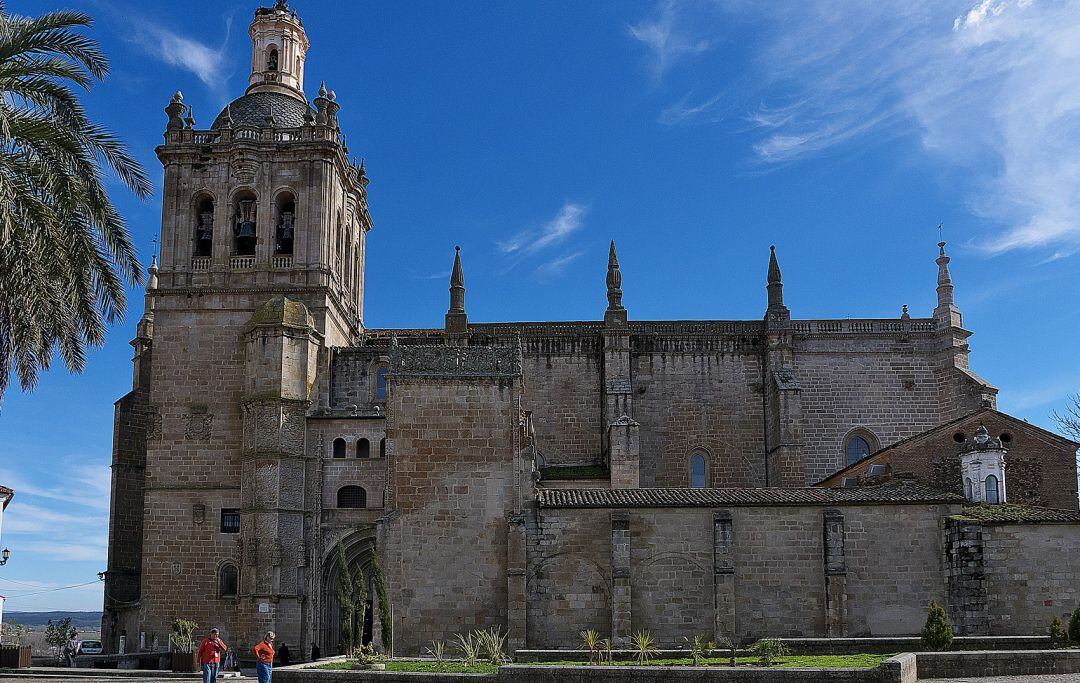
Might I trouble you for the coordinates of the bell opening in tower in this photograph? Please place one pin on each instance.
(285, 229)
(244, 231)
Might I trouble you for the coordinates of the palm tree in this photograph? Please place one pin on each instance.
(65, 252)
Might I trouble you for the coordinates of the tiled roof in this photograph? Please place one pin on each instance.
(1019, 514)
(899, 493)
(252, 110)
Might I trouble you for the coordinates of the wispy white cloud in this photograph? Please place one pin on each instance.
(989, 87)
(1055, 389)
(688, 110)
(208, 63)
(667, 38)
(570, 219)
(28, 518)
(556, 266)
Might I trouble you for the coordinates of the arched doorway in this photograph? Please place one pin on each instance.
(359, 546)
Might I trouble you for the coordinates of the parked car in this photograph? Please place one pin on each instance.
(90, 647)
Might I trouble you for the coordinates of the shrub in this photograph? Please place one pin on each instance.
(470, 649)
(491, 643)
(937, 634)
(183, 637)
(591, 640)
(700, 649)
(1074, 626)
(644, 646)
(1057, 632)
(768, 650)
(437, 651)
(605, 649)
(367, 655)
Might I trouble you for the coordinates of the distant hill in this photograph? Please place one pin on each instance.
(84, 620)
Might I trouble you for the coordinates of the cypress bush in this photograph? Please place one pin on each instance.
(937, 634)
(1074, 626)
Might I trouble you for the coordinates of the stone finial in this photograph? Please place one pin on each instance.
(178, 96)
(152, 271)
(322, 89)
(904, 315)
(614, 280)
(457, 285)
(226, 119)
(175, 111)
(775, 286)
(946, 311)
(456, 319)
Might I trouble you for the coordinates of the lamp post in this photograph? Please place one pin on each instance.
(4, 555)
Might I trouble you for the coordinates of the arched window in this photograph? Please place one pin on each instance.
(351, 497)
(380, 383)
(204, 227)
(697, 471)
(363, 448)
(243, 224)
(228, 581)
(969, 491)
(993, 494)
(339, 448)
(285, 228)
(382, 447)
(272, 60)
(856, 449)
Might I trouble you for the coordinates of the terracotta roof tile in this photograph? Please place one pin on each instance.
(899, 493)
(1019, 514)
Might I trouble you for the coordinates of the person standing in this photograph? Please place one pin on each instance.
(209, 655)
(264, 656)
(71, 648)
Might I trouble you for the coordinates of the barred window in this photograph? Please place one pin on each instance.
(351, 497)
(230, 521)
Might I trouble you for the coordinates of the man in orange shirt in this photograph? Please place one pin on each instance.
(209, 656)
(264, 653)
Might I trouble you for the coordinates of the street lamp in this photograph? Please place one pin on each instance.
(4, 555)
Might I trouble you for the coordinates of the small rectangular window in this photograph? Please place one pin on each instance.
(230, 521)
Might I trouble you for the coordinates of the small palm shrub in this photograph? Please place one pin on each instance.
(1057, 632)
(470, 649)
(605, 650)
(437, 651)
(591, 640)
(700, 649)
(768, 650)
(1074, 626)
(644, 646)
(937, 634)
(492, 645)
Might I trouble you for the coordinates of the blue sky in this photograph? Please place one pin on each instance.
(695, 134)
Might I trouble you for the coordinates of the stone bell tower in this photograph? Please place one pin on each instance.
(264, 224)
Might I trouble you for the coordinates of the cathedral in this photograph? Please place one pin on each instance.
(782, 476)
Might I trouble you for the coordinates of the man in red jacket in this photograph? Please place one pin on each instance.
(209, 656)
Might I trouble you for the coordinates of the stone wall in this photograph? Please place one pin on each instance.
(1031, 575)
(753, 571)
(695, 399)
(453, 448)
(880, 384)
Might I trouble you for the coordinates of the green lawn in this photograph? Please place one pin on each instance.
(862, 661)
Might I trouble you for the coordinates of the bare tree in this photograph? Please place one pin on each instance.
(1069, 421)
